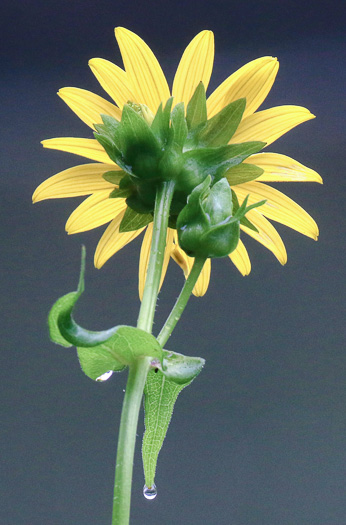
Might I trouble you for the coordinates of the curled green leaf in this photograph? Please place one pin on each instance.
(112, 349)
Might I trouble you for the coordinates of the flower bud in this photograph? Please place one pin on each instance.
(206, 226)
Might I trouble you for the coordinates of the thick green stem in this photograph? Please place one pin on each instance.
(161, 214)
(126, 441)
(138, 371)
(181, 302)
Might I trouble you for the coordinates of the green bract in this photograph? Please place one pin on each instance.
(172, 146)
(206, 226)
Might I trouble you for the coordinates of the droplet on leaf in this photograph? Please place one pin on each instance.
(105, 376)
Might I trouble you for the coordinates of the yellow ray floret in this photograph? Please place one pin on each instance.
(278, 207)
(146, 76)
(75, 182)
(112, 241)
(89, 148)
(280, 168)
(270, 124)
(96, 210)
(266, 235)
(88, 106)
(252, 81)
(240, 258)
(113, 79)
(195, 66)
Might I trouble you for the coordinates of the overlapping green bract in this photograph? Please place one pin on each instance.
(172, 145)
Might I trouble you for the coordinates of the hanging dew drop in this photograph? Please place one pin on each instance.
(150, 492)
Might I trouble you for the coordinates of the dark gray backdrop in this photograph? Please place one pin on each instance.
(259, 438)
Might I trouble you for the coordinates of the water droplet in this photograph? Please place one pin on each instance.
(105, 376)
(150, 492)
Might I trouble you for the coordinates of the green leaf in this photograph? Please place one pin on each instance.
(196, 111)
(243, 173)
(221, 128)
(124, 344)
(97, 361)
(161, 391)
(134, 221)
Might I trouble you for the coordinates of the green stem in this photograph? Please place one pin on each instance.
(161, 214)
(181, 302)
(126, 441)
(138, 371)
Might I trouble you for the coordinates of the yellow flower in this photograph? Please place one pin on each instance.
(142, 81)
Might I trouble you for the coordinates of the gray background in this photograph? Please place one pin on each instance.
(259, 438)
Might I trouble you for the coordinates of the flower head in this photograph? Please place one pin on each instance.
(141, 87)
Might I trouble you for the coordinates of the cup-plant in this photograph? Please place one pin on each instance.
(190, 171)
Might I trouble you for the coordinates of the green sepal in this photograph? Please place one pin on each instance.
(244, 220)
(112, 151)
(160, 124)
(200, 163)
(178, 125)
(196, 111)
(120, 193)
(220, 129)
(134, 221)
(160, 393)
(124, 344)
(125, 189)
(114, 177)
(243, 173)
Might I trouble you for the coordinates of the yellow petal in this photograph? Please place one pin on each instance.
(144, 257)
(280, 168)
(203, 280)
(186, 263)
(112, 241)
(240, 259)
(267, 235)
(114, 80)
(180, 258)
(94, 211)
(74, 182)
(278, 207)
(146, 76)
(270, 124)
(195, 66)
(88, 106)
(89, 148)
(252, 81)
